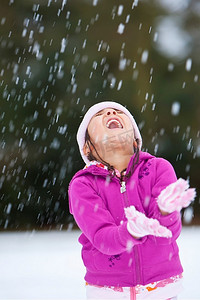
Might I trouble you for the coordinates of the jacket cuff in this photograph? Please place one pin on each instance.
(126, 239)
(166, 220)
(172, 221)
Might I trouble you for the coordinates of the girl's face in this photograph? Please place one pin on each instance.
(111, 129)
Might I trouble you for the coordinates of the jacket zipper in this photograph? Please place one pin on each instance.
(136, 251)
(123, 191)
(137, 265)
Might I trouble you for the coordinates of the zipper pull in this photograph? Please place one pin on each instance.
(123, 187)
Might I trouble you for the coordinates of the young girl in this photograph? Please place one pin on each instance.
(127, 204)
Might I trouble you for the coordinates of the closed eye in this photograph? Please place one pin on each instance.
(98, 114)
(119, 111)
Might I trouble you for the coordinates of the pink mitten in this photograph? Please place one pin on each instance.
(176, 196)
(139, 225)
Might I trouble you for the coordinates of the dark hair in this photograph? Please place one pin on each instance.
(111, 169)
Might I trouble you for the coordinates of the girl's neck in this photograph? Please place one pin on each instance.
(118, 161)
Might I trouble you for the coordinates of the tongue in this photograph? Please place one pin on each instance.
(113, 125)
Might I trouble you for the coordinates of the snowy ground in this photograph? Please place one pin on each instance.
(47, 265)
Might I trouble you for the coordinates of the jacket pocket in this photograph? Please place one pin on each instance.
(153, 254)
(112, 263)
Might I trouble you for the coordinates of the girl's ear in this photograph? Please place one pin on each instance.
(86, 149)
(135, 144)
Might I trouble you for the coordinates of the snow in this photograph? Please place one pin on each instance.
(175, 110)
(95, 2)
(48, 265)
(120, 29)
(120, 10)
(144, 57)
(188, 64)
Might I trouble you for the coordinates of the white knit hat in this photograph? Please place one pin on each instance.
(91, 112)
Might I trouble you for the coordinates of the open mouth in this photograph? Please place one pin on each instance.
(113, 124)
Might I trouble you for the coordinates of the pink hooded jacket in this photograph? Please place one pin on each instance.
(112, 257)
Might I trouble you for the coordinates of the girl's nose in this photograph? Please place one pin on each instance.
(111, 111)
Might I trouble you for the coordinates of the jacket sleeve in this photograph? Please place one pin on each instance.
(95, 220)
(165, 175)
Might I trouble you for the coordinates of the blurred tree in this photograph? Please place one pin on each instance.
(60, 57)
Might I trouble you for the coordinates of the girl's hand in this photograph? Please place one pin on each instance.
(175, 196)
(139, 225)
